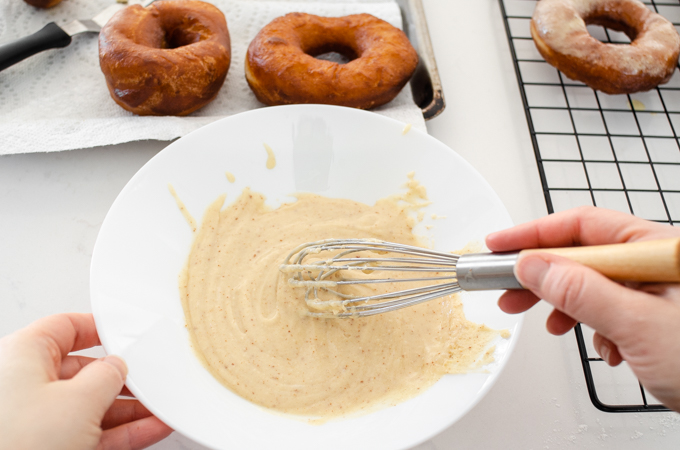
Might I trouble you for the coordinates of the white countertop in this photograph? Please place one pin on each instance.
(53, 205)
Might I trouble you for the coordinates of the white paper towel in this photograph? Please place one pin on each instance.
(58, 100)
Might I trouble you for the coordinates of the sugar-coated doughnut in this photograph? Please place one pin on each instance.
(168, 59)
(558, 28)
(281, 67)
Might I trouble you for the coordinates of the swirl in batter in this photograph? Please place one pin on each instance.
(250, 330)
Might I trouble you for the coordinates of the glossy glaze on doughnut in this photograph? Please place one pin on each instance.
(168, 59)
(281, 68)
(559, 31)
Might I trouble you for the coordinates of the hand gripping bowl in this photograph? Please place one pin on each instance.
(330, 150)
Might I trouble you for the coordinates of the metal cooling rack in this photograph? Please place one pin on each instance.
(614, 151)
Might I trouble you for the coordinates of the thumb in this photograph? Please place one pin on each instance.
(97, 385)
(580, 292)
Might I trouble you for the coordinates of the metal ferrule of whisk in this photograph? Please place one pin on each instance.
(487, 271)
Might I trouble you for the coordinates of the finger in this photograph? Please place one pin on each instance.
(124, 411)
(96, 386)
(583, 294)
(607, 350)
(579, 226)
(73, 364)
(559, 323)
(70, 332)
(42, 345)
(514, 302)
(136, 435)
(669, 291)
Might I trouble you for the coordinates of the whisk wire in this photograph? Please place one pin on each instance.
(390, 280)
(315, 275)
(393, 305)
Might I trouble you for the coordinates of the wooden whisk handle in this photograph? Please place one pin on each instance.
(647, 261)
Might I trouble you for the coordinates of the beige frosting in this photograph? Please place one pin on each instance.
(271, 157)
(188, 217)
(251, 330)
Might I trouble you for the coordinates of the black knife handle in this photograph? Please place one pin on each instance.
(50, 36)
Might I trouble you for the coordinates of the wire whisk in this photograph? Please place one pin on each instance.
(328, 275)
(323, 267)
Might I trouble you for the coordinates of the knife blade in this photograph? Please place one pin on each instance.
(55, 36)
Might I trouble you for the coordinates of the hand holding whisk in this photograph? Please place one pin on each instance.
(323, 266)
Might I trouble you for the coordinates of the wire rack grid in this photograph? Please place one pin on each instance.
(614, 151)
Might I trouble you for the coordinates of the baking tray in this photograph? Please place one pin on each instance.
(615, 151)
(425, 83)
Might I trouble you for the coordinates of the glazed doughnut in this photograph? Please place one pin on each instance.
(168, 59)
(281, 67)
(559, 31)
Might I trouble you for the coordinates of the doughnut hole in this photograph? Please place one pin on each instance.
(618, 22)
(330, 45)
(626, 28)
(608, 35)
(181, 31)
(335, 53)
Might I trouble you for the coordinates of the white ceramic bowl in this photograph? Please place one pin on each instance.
(332, 151)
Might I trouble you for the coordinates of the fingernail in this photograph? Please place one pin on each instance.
(118, 363)
(530, 271)
(491, 235)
